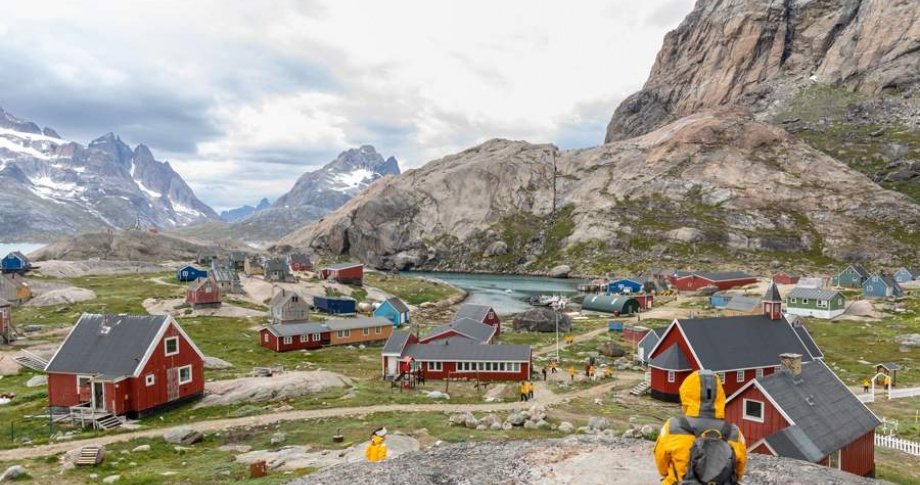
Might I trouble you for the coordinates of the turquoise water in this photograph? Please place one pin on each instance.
(505, 293)
(25, 248)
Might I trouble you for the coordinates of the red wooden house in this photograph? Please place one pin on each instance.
(125, 365)
(295, 336)
(739, 348)
(203, 293)
(646, 300)
(805, 412)
(456, 358)
(480, 313)
(785, 278)
(349, 273)
(633, 334)
(300, 262)
(723, 280)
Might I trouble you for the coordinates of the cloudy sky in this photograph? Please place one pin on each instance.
(243, 97)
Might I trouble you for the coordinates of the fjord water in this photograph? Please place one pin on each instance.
(24, 248)
(493, 289)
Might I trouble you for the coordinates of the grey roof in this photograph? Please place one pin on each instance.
(398, 305)
(480, 332)
(20, 256)
(361, 322)
(722, 275)
(859, 269)
(4, 303)
(888, 280)
(282, 297)
(475, 312)
(465, 350)
(299, 258)
(890, 366)
(911, 271)
(397, 342)
(87, 350)
(342, 265)
(809, 342)
(741, 342)
(276, 265)
(772, 293)
(828, 414)
(812, 293)
(671, 359)
(791, 442)
(744, 304)
(294, 329)
(199, 282)
(225, 275)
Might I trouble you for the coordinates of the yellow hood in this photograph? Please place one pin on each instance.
(702, 396)
(376, 440)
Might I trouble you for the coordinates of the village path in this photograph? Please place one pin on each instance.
(546, 397)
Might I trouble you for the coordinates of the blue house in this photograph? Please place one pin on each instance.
(720, 299)
(624, 285)
(881, 286)
(190, 273)
(15, 262)
(905, 275)
(334, 306)
(394, 310)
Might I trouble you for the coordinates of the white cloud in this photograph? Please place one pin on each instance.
(269, 89)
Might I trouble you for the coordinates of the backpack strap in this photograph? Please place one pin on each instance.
(727, 431)
(685, 425)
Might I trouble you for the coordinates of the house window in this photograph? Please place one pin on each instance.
(172, 346)
(840, 301)
(316, 337)
(804, 301)
(822, 303)
(436, 366)
(753, 410)
(793, 300)
(304, 339)
(287, 340)
(265, 337)
(759, 373)
(491, 315)
(515, 367)
(295, 299)
(343, 333)
(367, 331)
(671, 376)
(869, 288)
(739, 376)
(150, 380)
(721, 377)
(378, 330)
(185, 374)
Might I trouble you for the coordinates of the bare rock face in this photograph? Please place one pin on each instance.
(583, 460)
(756, 53)
(542, 319)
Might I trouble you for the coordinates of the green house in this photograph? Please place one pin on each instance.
(852, 277)
(815, 302)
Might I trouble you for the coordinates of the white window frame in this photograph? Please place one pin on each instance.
(150, 379)
(739, 376)
(760, 372)
(378, 330)
(317, 337)
(804, 301)
(721, 377)
(343, 333)
(749, 417)
(822, 304)
(672, 376)
(436, 366)
(265, 337)
(288, 340)
(166, 346)
(304, 339)
(367, 331)
(793, 300)
(191, 377)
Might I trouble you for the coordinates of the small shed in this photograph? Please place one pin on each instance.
(905, 275)
(646, 301)
(15, 289)
(203, 293)
(228, 281)
(278, 270)
(15, 262)
(633, 334)
(881, 286)
(253, 266)
(190, 273)
(624, 286)
(335, 305)
(785, 278)
(394, 310)
(887, 369)
(300, 262)
(348, 273)
(615, 304)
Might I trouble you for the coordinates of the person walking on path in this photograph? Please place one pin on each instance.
(608, 372)
(587, 369)
(572, 372)
(523, 390)
(530, 386)
(377, 450)
(866, 383)
(552, 366)
(544, 373)
(700, 447)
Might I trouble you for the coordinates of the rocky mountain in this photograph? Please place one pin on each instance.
(716, 185)
(131, 246)
(825, 69)
(314, 195)
(54, 187)
(246, 210)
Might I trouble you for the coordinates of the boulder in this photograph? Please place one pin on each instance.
(566, 427)
(111, 479)
(598, 423)
(216, 364)
(909, 340)
(611, 349)
(438, 395)
(530, 425)
(541, 319)
(182, 435)
(37, 381)
(141, 449)
(12, 473)
(278, 438)
(561, 271)
(471, 423)
(497, 248)
(516, 419)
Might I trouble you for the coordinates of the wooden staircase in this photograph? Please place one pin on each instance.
(31, 361)
(109, 422)
(642, 387)
(90, 456)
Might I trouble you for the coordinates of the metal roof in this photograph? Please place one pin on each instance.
(18, 255)
(608, 303)
(745, 304)
(723, 275)
(772, 293)
(475, 312)
(281, 298)
(888, 280)
(741, 342)
(294, 329)
(671, 359)
(828, 414)
(859, 269)
(90, 350)
(396, 343)
(398, 305)
(480, 332)
(914, 272)
(464, 350)
(812, 293)
(890, 366)
(361, 322)
(809, 342)
(791, 442)
(299, 258)
(342, 265)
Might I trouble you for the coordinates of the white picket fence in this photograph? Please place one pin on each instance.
(902, 393)
(906, 446)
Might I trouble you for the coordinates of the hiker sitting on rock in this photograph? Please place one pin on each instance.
(377, 450)
(700, 447)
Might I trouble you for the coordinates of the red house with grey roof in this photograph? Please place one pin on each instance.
(722, 280)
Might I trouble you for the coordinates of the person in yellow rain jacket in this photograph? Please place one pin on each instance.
(523, 390)
(703, 401)
(608, 372)
(866, 384)
(887, 382)
(572, 373)
(377, 450)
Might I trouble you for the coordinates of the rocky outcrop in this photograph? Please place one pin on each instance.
(584, 460)
(137, 246)
(541, 319)
(759, 53)
(714, 184)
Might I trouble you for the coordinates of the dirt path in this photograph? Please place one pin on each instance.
(546, 397)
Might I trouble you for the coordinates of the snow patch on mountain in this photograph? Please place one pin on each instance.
(352, 180)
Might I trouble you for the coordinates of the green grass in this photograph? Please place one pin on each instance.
(413, 291)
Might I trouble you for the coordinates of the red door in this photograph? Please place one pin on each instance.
(172, 384)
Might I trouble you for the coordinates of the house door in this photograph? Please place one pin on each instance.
(172, 384)
(98, 395)
(391, 366)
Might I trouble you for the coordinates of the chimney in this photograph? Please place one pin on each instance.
(792, 363)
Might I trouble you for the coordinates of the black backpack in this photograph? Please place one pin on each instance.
(712, 459)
